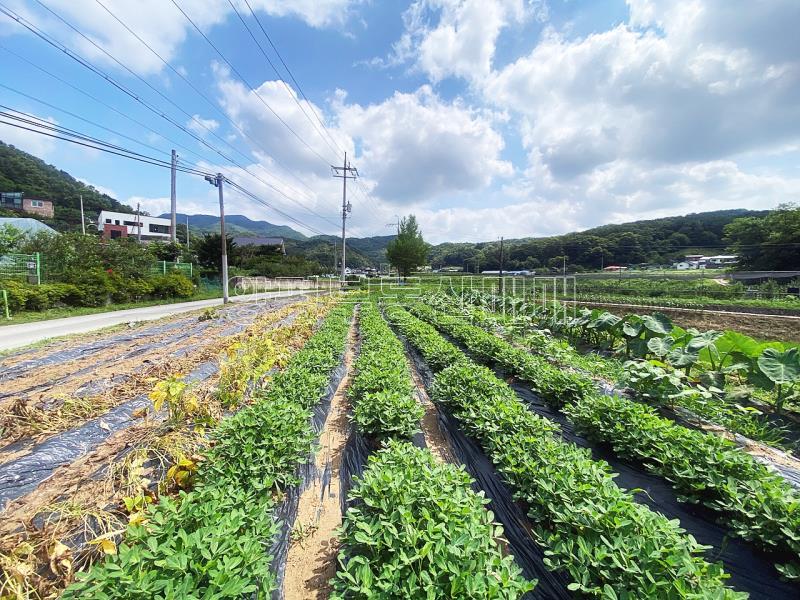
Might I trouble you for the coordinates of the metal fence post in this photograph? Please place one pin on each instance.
(38, 269)
(5, 304)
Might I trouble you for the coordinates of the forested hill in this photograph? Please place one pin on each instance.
(651, 241)
(22, 172)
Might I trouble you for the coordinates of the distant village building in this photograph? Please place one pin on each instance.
(614, 269)
(119, 225)
(699, 261)
(35, 206)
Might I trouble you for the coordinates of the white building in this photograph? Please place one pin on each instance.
(118, 225)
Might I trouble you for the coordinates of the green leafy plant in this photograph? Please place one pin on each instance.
(419, 531)
(382, 391)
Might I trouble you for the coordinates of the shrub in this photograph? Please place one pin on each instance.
(173, 285)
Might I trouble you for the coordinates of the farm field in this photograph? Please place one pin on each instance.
(377, 445)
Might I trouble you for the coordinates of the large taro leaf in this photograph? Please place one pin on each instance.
(780, 367)
(633, 326)
(682, 357)
(704, 340)
(657, 324)
(738, 344)
(659, 346)
(604, 322)
(637, 347)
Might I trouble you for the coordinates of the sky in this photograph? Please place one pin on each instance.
(483, 118)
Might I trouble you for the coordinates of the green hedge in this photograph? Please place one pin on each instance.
(95, 288)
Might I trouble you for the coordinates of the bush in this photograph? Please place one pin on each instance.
(173, 285)
(129, 289)
(26, 296)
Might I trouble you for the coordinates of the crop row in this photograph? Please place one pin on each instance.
(209, 542)
(611, 546)
(382, 391)
(415, 529)
(655, 382)
(757, 504)
(419, 531)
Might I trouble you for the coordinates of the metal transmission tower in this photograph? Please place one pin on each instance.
(344, 173)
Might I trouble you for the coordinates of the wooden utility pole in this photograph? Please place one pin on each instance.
(502, 282)
(173, 199)
(138, 224)
(83, 218)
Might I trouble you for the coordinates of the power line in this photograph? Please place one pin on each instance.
(99, 72)
(291, 75)
(202, 95)
(250, 86)
(285, 85)
(62, 133)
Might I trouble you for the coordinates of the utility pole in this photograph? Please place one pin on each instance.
(564, 274)
(173, 199)
(217, 182)
(187, 234)
(83, 219)
(502, 286)
(344, 173)
(138, 224)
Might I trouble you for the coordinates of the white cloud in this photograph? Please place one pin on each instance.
(202, 126)
(100, 188)
(463, 40)
(34, 143)
(685, 91)
(159, 23)
(417, 146)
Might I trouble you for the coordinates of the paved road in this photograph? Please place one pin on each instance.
(16, 336)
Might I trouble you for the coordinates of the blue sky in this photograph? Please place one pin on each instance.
(511, 117)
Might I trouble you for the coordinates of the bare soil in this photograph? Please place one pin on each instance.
(311, 561)
(763, 326)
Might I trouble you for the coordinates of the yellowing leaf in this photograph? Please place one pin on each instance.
(108, 546)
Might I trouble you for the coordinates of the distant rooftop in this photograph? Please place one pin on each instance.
(26, 224)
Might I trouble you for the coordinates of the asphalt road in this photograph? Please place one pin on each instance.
(17, 336)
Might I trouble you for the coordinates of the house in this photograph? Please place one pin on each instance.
(721, 260)
(682, 265)
(614, 269)
(274, 242)
(118, 225)
(17, 201)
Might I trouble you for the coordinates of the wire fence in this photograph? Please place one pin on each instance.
(162, 267)
(22, 267)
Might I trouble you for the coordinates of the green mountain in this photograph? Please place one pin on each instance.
(22, 172)
(650, 241)
(236, 225)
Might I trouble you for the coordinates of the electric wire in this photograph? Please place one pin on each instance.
(250, 86)
(48, 39)
(204, 97)
(291, 75)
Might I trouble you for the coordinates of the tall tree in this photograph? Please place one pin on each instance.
(769, 243)
(408, 250)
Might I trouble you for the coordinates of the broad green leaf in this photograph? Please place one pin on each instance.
(660, 346)
(780, 367)
(657, 323)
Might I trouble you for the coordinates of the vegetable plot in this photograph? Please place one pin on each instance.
(382, 392)
(419, 531)
(210, 542)
(757, 504)
(611, 546)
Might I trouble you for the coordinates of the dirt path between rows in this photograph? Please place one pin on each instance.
(434, 438)
(311, 560)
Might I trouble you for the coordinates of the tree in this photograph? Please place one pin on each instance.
(10, 238)
(209, 251)
(767, 243)
(408, 250)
